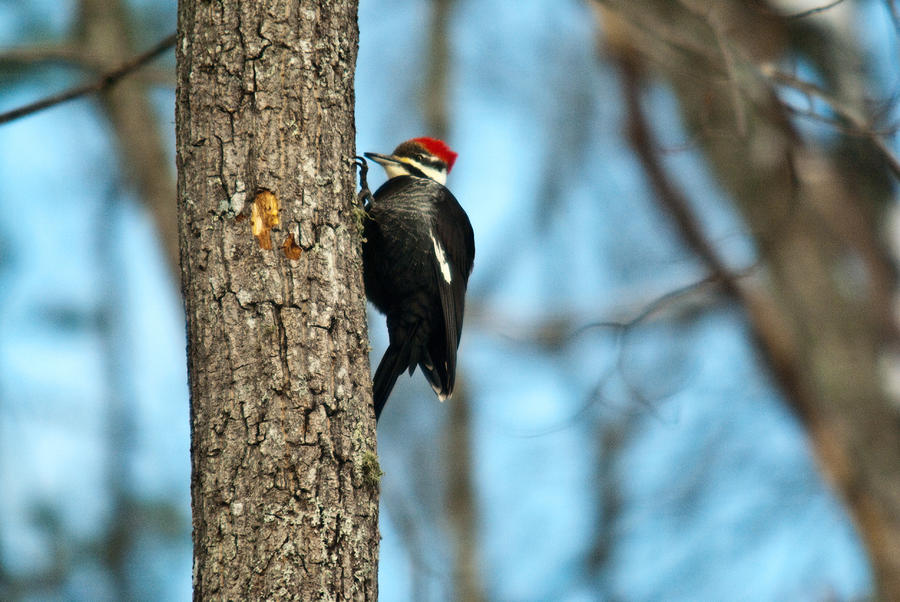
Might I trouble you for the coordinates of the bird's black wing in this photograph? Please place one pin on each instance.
(394, 263)
(453, 257)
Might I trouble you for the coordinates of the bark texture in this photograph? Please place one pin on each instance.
(284, 472)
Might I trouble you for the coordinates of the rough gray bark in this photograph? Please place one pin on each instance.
(284, 473)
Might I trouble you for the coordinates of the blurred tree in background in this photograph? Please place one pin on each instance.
(820, 299)
(679, 368)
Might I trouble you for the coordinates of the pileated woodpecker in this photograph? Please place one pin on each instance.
(417, 256)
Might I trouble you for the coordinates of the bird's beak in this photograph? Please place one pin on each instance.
(393, 165)
(383, 160)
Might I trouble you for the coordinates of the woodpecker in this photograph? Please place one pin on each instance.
(418, 252)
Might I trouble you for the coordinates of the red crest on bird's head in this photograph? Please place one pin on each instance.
(439, 149)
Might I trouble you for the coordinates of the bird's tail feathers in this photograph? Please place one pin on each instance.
(397, 358)
(390, 367)
(438, 377)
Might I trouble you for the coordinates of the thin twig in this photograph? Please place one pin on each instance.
(839, 125)
(728, 57)
(721, 35)
(66, 55)
(75, 58)
(813, 11)
(852, 117)
(670, 298)
(101, 83)
(669, 196)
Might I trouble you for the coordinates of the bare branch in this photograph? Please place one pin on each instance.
(66, 55)
(840, 125)
(667, 299)
(669, 196)
(813, 11)
(851, 116)
(104, 81)
(76, 58)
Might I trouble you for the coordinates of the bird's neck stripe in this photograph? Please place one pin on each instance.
(415, 168)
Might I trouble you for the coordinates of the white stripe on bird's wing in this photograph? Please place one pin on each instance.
(442, 258)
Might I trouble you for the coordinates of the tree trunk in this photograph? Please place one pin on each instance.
(284, 473)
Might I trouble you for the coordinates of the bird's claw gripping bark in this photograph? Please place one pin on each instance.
(364, 196)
